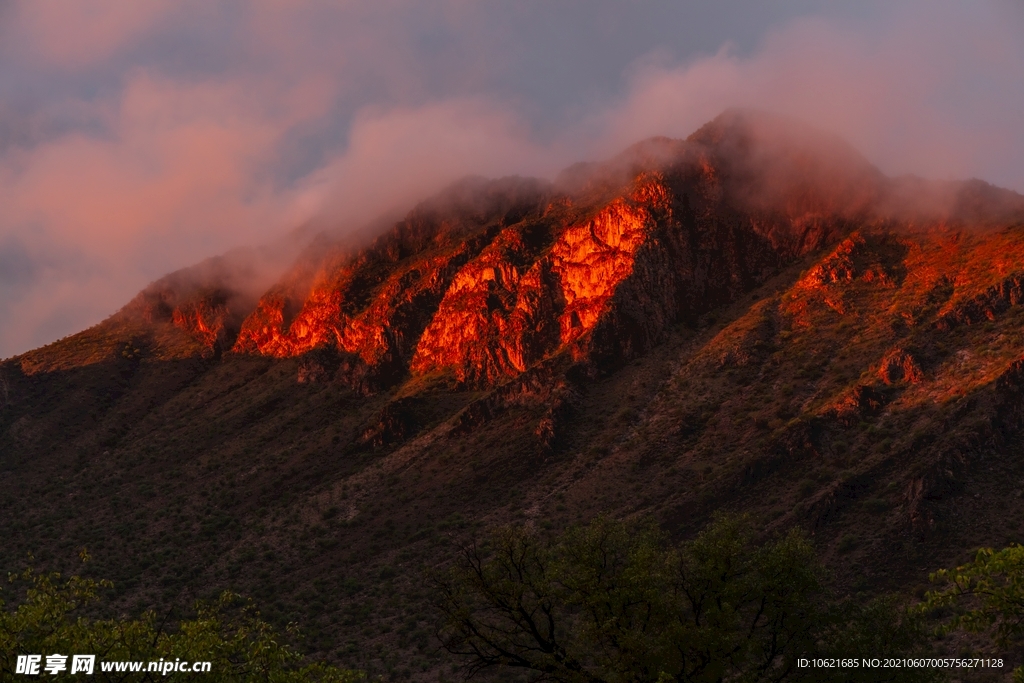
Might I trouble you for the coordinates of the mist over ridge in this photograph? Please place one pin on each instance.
(122, 158)
(742, 196)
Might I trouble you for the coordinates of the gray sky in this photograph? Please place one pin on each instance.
(140, 137)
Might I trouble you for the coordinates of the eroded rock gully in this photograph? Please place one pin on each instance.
(484, 299)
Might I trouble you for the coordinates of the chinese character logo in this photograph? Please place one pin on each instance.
(55, 664)
(83, 664)
(28, 664)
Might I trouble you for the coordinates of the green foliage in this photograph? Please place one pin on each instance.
(878, 628)
(986, 595)
(613, 602)
(228, 632)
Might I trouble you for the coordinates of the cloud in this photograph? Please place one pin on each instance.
(184, 171)
(172, 172)
(138, 138)
(397, 157)
(928, 92)
(77, 33)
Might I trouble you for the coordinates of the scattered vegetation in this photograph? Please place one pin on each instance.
(610, 601)
(984, 596)
(614, 601)
(228, 632)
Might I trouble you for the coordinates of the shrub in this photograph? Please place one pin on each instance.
(617, 602)
(986, 595)
(227, 632)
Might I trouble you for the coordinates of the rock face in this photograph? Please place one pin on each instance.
(489, 278)
(900, 366)
(862, 401)
(987, 305)
(372, 305)
(209, 311)
(596, 267)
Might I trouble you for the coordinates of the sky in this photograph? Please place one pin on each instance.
(137, 138)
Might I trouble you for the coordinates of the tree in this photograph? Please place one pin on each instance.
(616, 602)
(228, 633)
(985, 596)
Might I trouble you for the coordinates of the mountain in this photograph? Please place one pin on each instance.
(753, 319)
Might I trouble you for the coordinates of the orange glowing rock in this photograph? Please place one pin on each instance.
(481, 326)
(372, 306)
(900, 366)
(497, 317)
(508, 274)
(204, 320)
(842, 265)
(492, 278)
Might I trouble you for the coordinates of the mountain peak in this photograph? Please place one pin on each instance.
(491, 277)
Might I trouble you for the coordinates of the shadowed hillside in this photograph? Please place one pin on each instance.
(753, 319)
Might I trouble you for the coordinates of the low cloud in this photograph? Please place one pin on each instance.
(396, 158)
(928, 92)
(170, 173)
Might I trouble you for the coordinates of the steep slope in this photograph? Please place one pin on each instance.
(196, 311)
(753, 319)
(597, 266)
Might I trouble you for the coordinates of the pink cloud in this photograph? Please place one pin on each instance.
(927, 95)
(77, 33)
(178, 173)
(150, 169)
(178, 159)
(397, 157)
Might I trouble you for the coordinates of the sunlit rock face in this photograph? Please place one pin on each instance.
(372, 305)
(534, 290)
(197, 311)
(491, 278)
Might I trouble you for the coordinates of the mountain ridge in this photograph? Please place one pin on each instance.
(812, 176)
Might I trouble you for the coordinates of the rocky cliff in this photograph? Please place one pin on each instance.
(596, 267)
